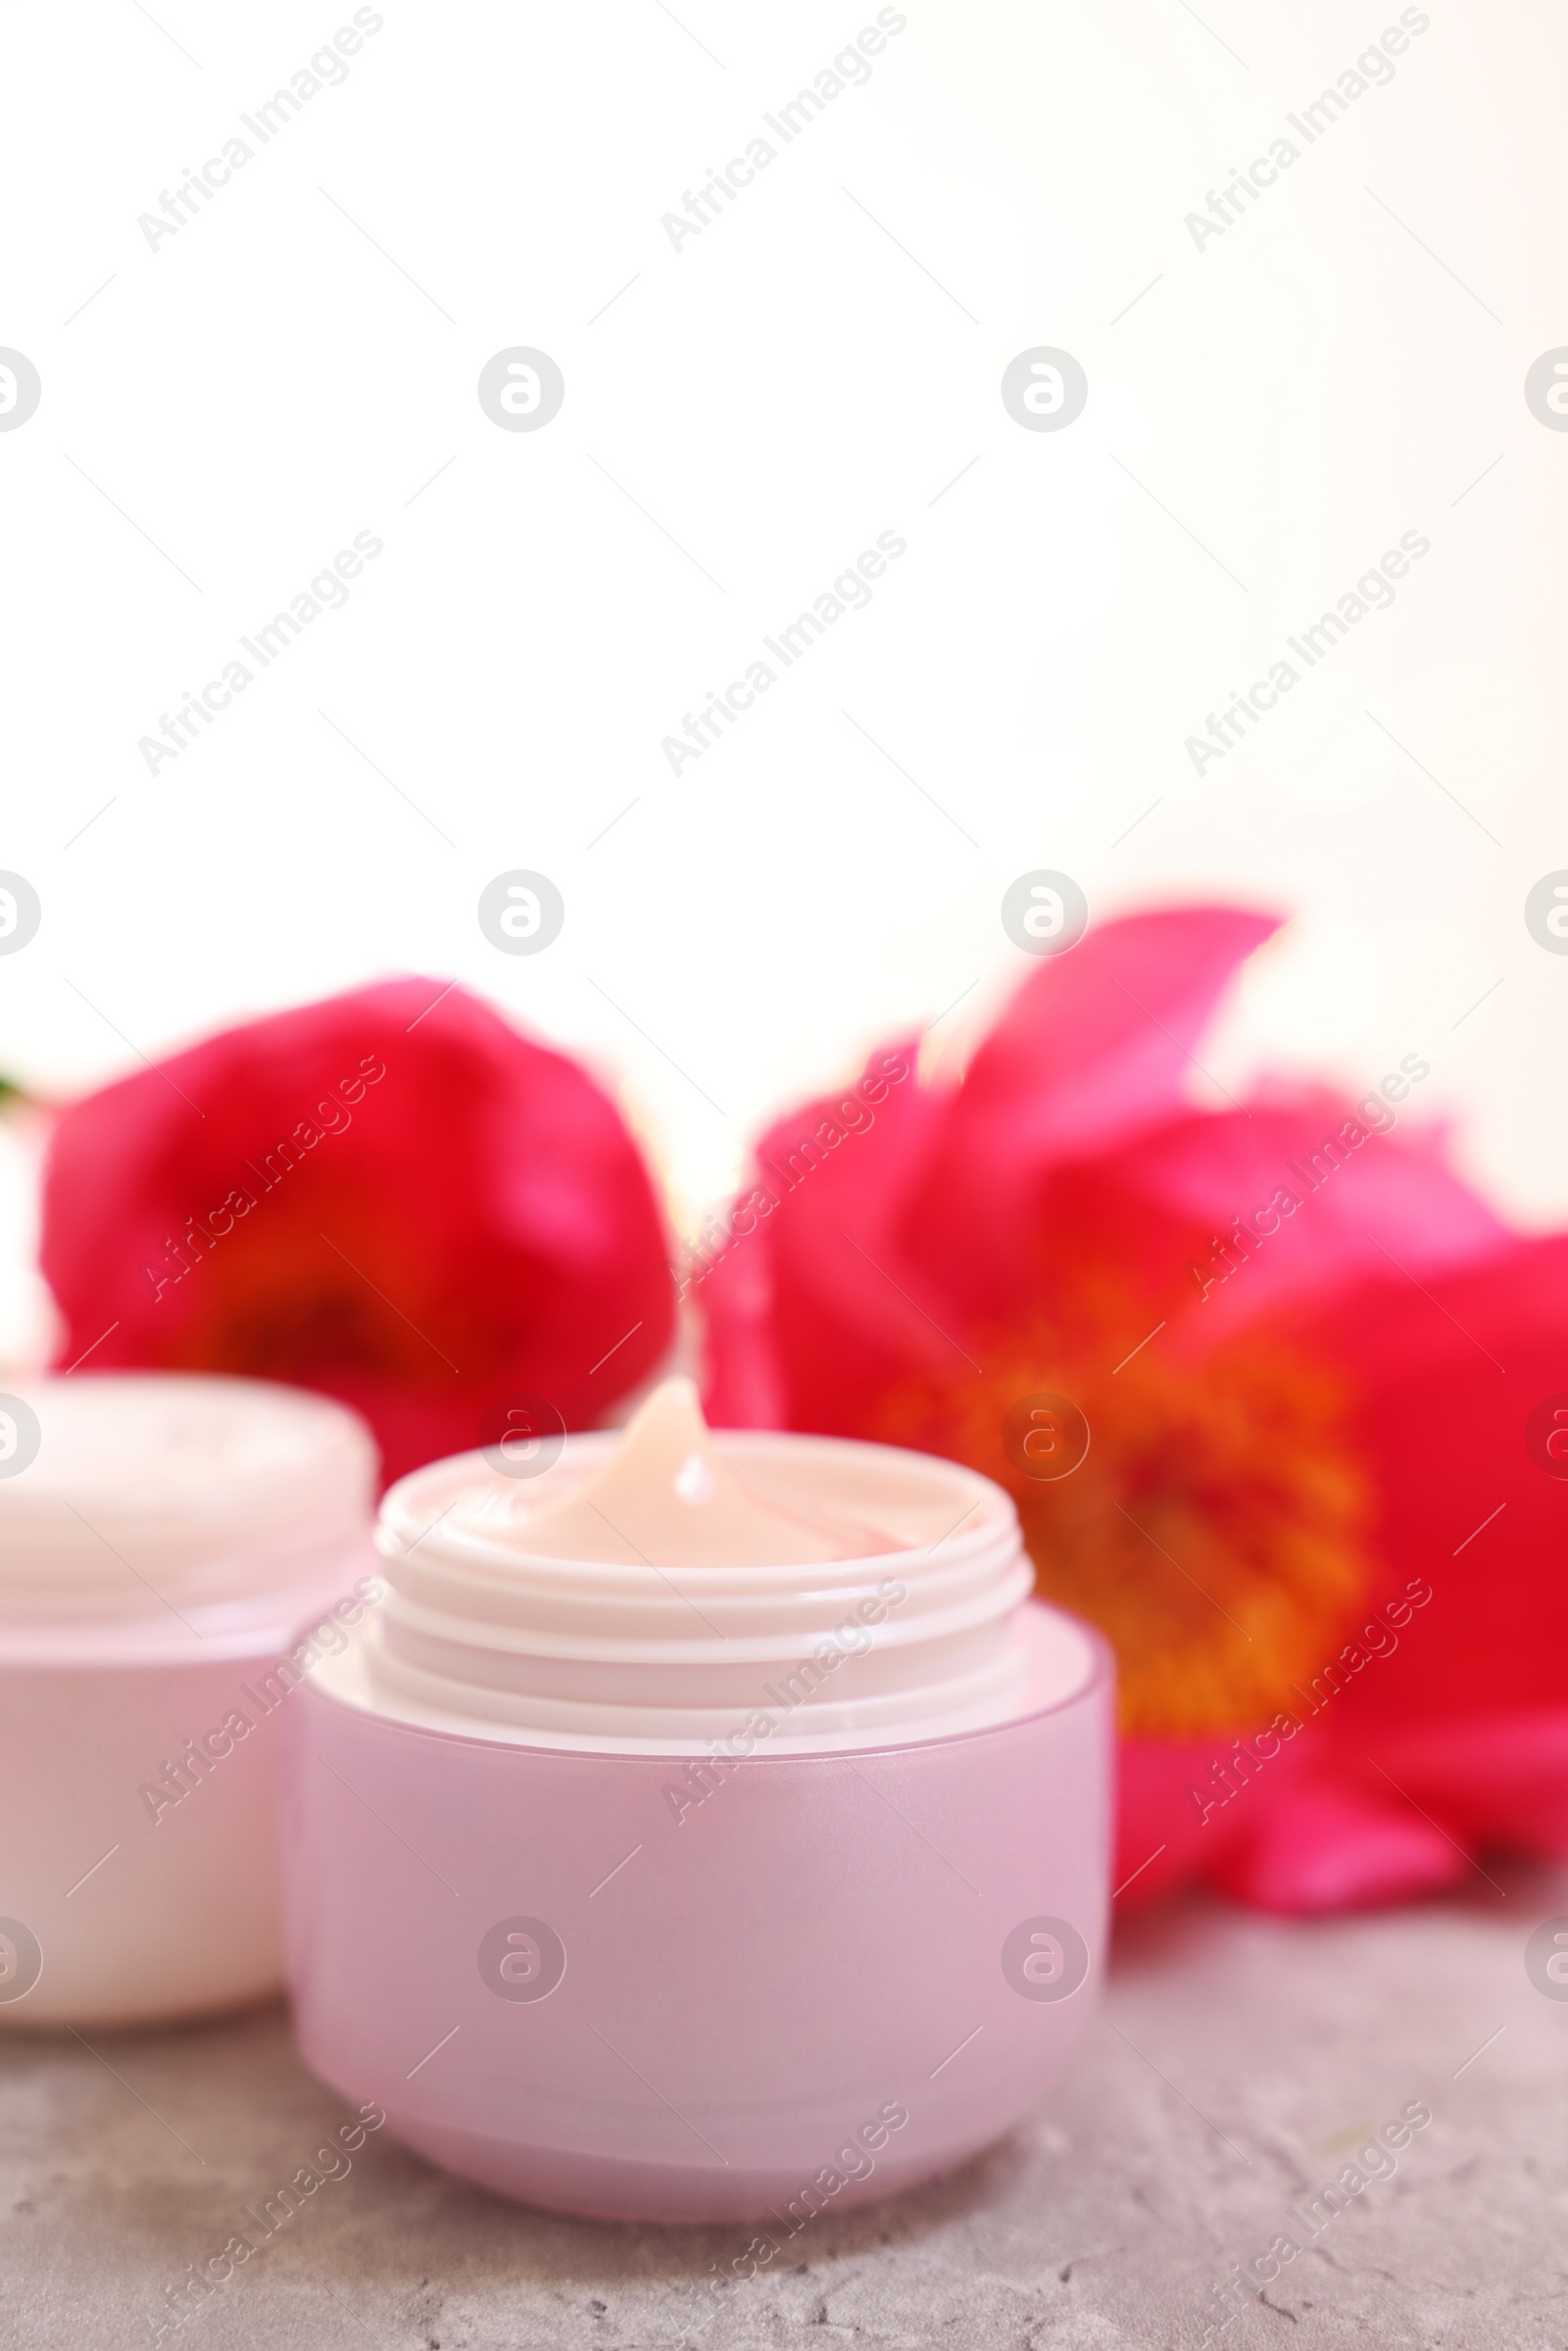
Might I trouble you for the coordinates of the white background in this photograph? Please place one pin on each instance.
(1344, 364)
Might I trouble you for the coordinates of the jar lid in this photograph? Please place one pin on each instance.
(126, 1492)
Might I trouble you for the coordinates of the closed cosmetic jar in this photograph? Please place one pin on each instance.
(175, 1550)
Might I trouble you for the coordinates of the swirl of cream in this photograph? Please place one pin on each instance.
(665, 1587)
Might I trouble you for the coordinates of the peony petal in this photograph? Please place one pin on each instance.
(815, 1309)
(1494, 1780)
(1095, 1048)
(1450, 1370)
(879, 1258)
(1341, 1817)
(1312, 1846)
(1162, 1842)
(744, 1385)
(1317, 1208)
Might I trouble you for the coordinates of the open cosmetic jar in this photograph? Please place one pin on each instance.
(174, 1551)
(706, 1826)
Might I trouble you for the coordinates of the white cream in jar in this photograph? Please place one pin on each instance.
(656, 1588)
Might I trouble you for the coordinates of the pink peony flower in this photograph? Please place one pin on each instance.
(1315, 1516)
(391, 1197)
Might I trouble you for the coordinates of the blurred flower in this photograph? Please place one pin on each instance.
(1305, 1354)
(391, 1197)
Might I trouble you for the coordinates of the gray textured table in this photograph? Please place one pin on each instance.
(1237, 2063)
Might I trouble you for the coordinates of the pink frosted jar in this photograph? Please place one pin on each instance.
(592, 1938)
(164, 1537)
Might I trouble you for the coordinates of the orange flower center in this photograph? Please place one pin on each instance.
(1215, 1530)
